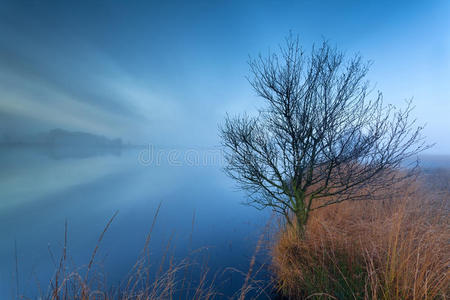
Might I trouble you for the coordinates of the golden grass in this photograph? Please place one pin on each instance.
(395, 248)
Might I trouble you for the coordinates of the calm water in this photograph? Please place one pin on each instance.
(41, 188)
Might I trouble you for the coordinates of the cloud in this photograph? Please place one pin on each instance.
(80, 88)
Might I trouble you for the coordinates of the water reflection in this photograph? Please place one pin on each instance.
(41, 188)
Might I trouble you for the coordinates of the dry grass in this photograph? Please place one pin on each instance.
(397, 248)
(167, 278)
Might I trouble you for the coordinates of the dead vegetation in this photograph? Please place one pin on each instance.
(394, 248)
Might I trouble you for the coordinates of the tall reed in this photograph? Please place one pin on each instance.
(394, 248)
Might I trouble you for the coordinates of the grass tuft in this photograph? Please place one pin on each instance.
(395, 248)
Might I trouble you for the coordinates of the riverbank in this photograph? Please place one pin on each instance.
(397, 248)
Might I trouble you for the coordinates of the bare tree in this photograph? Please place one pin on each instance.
(319, 139)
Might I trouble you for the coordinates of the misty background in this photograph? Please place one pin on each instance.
(166, 73)
(129, 96)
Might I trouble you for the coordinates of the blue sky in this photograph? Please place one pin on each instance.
(166, 72)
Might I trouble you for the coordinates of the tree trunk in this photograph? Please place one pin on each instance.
(301, 214)
(301, 218)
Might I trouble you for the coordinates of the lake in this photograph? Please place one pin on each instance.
(41, 188)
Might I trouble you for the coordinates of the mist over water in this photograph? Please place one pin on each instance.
(42, 187)
(85, 85)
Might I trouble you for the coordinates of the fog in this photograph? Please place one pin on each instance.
(166, 74)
